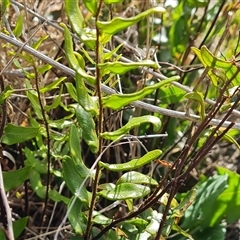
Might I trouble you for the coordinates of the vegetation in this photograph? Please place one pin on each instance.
(110, 113)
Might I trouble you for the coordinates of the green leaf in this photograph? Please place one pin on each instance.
(133, 164)
(52, 85)
(203, 209)
(72, 60)
(77, 217)
(170, 94)
(91, 5)
(18, 226)
(136, 177)
(16, 134)
(198, 96)
(108, 55)
(112, 1)
(15, 178)
(8, 90)
(119, 23)
(74, 15)
(56, 102)
(72, 91)
(132, 123)
(4, 4)
(17, 31)
(37, 44)
(117, 101)
(121, 67)
(85, 101)
(88, 127)
(99, 218)
(125, 191)
(228, 202)
(74, 174)
(181, 231)
(184, 204)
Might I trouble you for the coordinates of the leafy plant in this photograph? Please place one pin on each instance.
(72, 143)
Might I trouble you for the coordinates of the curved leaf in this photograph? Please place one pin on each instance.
(121, 67)
(133, 122)
(125, 191)
(136, 177)
(71, 57)
(133, 164)
(86, 101)
(119, 23)
(91, 5)
(117, 101)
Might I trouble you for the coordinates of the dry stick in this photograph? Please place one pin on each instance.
(137, 50)
(108, 90)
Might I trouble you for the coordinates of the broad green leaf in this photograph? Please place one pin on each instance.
(133, 164)
(18, 226)
(228, 202)
(85, 101)
(52, 85)
(132, 123)
(88, 127)
(119, 23)
(73, 61)
(15, 178)
(203, 209)
(136, 177)
(17, 31)
(8, 90)
(125, 191)
(74, 174)
(117, 101)
(121, 67)
(77, 217)
(17, 134)
(91, 5)
(198, 96)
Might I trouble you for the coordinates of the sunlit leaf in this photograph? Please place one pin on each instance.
(136, 177)
(118, 23)
(91, 5)
(125, 191)
(117, 101)
(133, 164)
(132, 123)
(121, 67)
